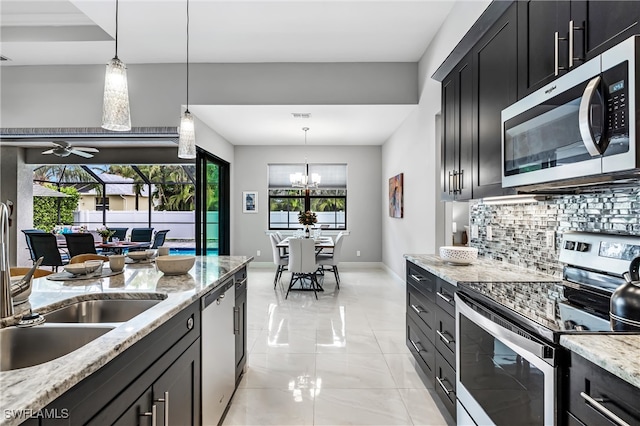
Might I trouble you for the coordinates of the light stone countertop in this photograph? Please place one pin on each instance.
(33, 388)
(615, 353)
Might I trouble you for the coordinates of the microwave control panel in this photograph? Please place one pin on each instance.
(615, 89)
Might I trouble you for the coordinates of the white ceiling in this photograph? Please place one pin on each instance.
(39, 32)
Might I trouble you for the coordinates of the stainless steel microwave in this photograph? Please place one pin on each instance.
(579, 129)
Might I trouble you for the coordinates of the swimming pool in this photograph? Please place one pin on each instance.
(191, 251)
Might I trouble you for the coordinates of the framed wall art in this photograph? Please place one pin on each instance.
(396, 208)
(250, 202)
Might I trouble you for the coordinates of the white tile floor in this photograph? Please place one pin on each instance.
(338, 360)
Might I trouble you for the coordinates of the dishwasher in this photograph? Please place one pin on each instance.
(218, 351)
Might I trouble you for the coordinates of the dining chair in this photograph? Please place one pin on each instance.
(333, 259)
(120, 233)
(158, 238)
(26, 236)
(88, 256)
(80, 243)
(279, 259)
(302, 264)
(45, 245)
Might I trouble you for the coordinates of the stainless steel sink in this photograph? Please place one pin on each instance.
(26, 347)
(100, 311)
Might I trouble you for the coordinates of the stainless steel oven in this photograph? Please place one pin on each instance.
(581, 128)
(505, 374)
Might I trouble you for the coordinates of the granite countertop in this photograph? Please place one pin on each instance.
(34, 387)
(528, 293)
(616, 353)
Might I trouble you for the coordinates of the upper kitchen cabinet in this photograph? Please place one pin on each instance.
(457, 122)
(556, 36)
(495, 77)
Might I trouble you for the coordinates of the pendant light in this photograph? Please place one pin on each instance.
(115, 103)
(298, 180)
(187, 140)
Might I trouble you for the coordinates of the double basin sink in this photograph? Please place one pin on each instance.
(65, 330)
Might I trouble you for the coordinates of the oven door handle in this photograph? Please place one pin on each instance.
(534, 348)
(584, 118)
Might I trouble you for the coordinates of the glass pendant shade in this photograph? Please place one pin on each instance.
(187, 140)
(115, 105)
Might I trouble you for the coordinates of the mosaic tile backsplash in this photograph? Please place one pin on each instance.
(519, 231)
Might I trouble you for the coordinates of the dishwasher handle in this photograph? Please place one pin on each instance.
(216, 293)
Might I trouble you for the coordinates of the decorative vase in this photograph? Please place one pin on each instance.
(307, 232)
(105, 240)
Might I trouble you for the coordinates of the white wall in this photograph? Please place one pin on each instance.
(363, 215)
(413, 150)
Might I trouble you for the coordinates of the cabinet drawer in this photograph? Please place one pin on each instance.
(445, 339)
(422, 280)
(446, 384)
(422, 310)
(421, 348)
(444, 296)
(593, 391)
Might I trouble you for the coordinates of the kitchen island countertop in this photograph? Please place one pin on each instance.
(27, 390)
(615, 353)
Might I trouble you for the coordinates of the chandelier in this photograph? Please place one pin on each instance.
(115, 103)
(299, 180)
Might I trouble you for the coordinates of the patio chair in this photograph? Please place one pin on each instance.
(120, 233)
(80, 243)
(159, 238)
(141, 235)
(26, 236)
(45, 245)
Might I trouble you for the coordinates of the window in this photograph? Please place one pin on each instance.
(329, 201)
(102, 203)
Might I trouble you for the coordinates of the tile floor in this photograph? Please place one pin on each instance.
(338, 360)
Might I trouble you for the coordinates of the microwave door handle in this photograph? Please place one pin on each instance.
(584, 118)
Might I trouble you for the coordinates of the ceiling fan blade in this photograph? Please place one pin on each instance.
(49, 151)
(86, 149)
(80, 153)
(61, 144)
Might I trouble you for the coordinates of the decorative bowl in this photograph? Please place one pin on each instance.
(140, 255)
(175, 265)
(83, 268)
(458, 255)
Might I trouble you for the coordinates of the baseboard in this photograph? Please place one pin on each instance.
(342, 265)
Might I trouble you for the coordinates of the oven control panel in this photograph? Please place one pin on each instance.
(608, 253)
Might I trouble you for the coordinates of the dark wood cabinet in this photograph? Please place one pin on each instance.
(240, 322)
(584, 30)
(495, 76)
(167, 360)
(594, 396)
(456, 151)
(431, 330)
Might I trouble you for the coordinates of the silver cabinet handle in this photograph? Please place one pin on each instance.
(417, 278)
(584, 118)
(572, 28)
(450, 184)
(415, 346)
(603, 410)
(444, 388)
(460, 184)
(236, 320)
(556, 44)
(443, 297)
(443, 337)
(418, 309)
(165, 401)
(152, 414)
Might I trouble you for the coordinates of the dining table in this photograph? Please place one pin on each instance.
(119, 246)
(321, 243)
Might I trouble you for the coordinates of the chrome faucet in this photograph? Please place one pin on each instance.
(6, 302)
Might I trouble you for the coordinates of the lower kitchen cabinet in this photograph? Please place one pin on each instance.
(240, 321)
(122, 391)
(431, 330)
(597, 397)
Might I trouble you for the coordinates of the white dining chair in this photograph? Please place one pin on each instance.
(279, 259)
(332, 259)
(302, 264)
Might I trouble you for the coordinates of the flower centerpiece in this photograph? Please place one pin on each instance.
(307, 219)
(105, 233)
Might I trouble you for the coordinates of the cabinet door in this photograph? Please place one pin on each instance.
(181, 384)
(240, 321)
(140, 412)
(606, 24)
(496, 73)
(465, 129)
(449, 136)
(538, 21)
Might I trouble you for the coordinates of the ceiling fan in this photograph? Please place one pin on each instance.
(63, 149)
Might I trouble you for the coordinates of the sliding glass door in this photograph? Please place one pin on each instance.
(212, 205)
